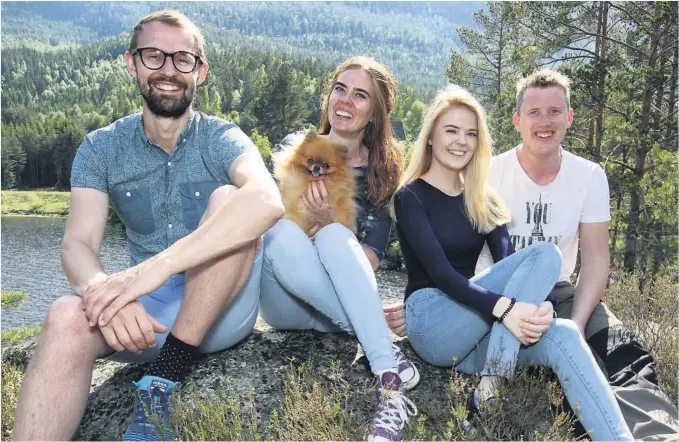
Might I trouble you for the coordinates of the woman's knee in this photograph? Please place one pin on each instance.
(333, 232)
(549, 258)
(285, 238)
(565, 332)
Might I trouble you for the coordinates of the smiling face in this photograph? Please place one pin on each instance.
(167, 92)
(543, 119)
(351, 102)
(454, 138)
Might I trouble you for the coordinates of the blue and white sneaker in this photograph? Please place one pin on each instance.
(151, 404)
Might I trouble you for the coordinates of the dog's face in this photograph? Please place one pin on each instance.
(319, 157)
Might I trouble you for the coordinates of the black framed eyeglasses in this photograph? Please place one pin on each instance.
(154, 59)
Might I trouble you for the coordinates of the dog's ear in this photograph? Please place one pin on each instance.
(311, 134)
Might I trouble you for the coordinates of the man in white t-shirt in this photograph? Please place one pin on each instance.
(558, 197)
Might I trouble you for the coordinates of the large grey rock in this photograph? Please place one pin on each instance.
(259, 363)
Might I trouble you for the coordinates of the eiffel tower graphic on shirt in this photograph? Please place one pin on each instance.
(537, 234)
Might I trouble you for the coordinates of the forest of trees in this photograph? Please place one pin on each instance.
(622, 61)
(60, 83)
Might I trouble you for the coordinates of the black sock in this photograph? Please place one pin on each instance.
(174, 360)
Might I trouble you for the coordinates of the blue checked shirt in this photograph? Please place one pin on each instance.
(159, 197)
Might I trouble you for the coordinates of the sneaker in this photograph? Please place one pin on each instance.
(393, 411)
(406, 369)
(151, 404)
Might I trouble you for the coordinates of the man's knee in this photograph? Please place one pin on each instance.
(66, 317)
(220, 195)
(217, 199)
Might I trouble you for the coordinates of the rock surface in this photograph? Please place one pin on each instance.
(258, 363)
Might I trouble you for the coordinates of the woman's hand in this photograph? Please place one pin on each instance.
(512, 321)
(396, 318)
(317, 203)
(536, 326)
(311, 233)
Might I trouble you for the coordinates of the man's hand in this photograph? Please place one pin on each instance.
(132, 328)
(536, 326)
(317, 203)
(396, 318)
(103, 301)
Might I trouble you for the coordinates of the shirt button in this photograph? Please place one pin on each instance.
(197, 193)
(128, 194)
(169, 226)
(169, 164)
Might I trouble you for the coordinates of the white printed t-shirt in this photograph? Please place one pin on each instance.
(578, 194)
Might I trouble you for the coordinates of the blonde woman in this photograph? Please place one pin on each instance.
(499, 319)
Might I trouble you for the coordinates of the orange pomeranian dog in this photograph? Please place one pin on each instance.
(315, 159)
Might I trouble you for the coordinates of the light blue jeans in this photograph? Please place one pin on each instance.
(328, 286)
(442, 330)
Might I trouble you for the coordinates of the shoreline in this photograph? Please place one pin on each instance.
(32, 215)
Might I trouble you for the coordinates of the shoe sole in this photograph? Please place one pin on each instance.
(412, 382)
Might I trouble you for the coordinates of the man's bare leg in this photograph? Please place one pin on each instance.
(57, 380)
(211, 287)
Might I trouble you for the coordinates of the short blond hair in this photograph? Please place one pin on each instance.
(172, 18)
(542, 79)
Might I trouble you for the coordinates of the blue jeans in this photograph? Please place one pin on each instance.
(232, 327)
(443, 331)
(328, 286)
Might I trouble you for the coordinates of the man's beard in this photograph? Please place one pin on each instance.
(164, 106)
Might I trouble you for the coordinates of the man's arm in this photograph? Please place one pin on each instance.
(594, 265)
(241, 220)
(84, 233)
(252, 210)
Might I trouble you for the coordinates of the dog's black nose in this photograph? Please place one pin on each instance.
(316, 168)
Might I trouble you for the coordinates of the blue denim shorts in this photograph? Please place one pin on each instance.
(235, 324)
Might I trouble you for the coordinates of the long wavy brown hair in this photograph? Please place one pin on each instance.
(385, 159)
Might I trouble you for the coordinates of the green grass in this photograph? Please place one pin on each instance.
(12, 299)
(18, 334)
(19, 202)
(650, 310)
(12, 375)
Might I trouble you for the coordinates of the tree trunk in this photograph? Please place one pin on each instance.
(633, 233)
(601, 80)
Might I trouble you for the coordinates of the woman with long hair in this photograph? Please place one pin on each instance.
(324, 279)
(501, 318)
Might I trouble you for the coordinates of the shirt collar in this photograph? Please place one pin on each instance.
(182, 136)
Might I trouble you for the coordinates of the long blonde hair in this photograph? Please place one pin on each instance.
(484, 208)
(385, 154)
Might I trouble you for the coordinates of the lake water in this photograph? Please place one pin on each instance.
(30, 262)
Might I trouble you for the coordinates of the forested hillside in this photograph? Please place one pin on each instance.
(622, 61)
(413, 39)
(63, 75)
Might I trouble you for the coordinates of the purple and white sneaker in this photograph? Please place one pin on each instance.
(406, 369)
(393, 411)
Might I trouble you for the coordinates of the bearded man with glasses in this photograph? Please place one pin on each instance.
(195, 198)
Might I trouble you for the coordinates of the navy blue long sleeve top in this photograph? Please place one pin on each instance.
(440, 246)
